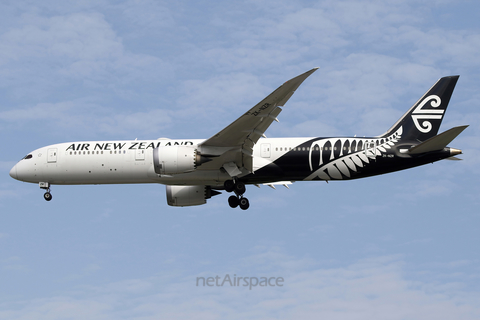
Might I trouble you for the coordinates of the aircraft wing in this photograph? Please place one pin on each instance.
(234, 144)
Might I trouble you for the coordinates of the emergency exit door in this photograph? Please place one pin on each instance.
(265, 150)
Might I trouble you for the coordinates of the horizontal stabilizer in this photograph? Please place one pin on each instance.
(437, 142)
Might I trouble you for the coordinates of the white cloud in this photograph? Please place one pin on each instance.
(148, 14)
(372, 287)
(80, 49)
(13, 263)
(87, 119)
(86, 50)
(70, 39)
(358, 87)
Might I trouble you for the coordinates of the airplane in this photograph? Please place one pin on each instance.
(195, 170)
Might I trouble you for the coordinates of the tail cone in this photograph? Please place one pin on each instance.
(454, 152)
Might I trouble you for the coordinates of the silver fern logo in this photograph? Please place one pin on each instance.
(427, 114)
(339, 158)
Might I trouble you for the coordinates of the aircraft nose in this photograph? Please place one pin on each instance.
(13, 172)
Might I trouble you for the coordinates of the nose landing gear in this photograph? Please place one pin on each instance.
(47, 195)
(237, 200)
(46, 186)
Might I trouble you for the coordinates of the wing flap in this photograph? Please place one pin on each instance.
(278, 183)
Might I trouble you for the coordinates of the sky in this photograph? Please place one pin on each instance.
(398, 246)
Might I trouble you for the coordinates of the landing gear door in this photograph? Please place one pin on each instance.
(52, 155)
(370, 150)
(265, 150)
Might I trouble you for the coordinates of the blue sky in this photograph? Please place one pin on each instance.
(398, 246)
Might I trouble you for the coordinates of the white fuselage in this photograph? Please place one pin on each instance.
(123, 162)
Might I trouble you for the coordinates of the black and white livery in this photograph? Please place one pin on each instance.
(194, 170)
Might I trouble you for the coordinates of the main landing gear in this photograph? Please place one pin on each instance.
(47, 195)
(237, 200)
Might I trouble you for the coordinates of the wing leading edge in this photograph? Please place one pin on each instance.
(234, 144)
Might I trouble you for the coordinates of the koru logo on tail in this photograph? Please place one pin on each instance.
(427, 114)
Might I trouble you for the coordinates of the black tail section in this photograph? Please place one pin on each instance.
(423, 120)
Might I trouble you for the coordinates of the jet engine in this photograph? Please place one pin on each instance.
(175, 159)
(183, 196)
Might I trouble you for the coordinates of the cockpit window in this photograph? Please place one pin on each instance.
(28, 157)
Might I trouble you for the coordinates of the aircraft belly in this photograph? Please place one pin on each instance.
(198, 177)
(323, 175)
(334, 173)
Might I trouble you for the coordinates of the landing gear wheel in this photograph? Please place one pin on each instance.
(244, 203)
(240, 188)
(47, 196)
(229, 185)
(233, 201)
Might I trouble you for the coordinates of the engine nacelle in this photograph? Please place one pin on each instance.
(174, 159)
(183, 196)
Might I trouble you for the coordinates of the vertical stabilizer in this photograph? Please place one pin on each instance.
(423, 120)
